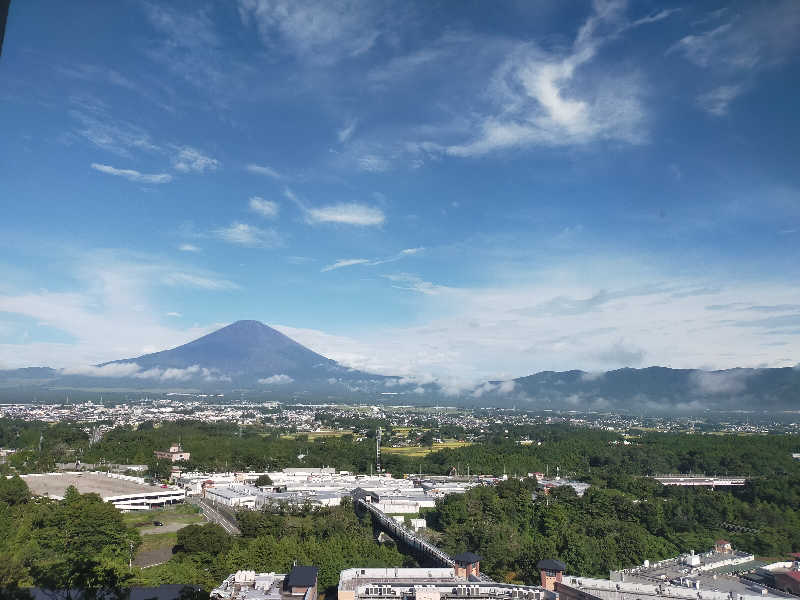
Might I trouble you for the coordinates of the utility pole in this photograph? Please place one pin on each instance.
(378, 451)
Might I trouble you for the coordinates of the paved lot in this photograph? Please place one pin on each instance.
(165, 528)
(54, 484)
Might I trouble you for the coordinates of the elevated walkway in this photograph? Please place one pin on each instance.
(410, 538)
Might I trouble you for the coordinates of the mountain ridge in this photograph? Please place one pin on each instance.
(250, 356)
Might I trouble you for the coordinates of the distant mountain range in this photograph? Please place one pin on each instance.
(248, 356)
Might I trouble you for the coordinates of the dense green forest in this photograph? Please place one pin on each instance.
(618, 523)
(78, 542)
(583, 453)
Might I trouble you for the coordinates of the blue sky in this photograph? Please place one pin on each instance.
(446, 190)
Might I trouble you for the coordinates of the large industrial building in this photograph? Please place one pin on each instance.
(429, 584)
(719, 574)
(125, 492)
(318, 487)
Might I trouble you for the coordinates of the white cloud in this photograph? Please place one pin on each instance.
(203, 282)
(321, 32)
(248, 235)
(373, 164)
(174, 314)
(506, 387)
(263, 170)
(346, 262)
(180, 375)
(757, 36)
(542, 98)
(411, 282)
(133, 175)
(349, 262)
(499, 332)
(655, 17)
(279, 379)
(721, 382)
(189, 159)
(347, 214)
(344, 213)
(188, 248)
(111, 292)
(346, 132)
(266, 208)
(502, 387)
(125, 369)
(99, 128)
(717, 100)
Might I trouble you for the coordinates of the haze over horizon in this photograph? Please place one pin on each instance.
(436, 190)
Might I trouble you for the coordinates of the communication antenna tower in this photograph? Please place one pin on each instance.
(378, 450)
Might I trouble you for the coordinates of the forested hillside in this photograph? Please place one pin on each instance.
(618, 523)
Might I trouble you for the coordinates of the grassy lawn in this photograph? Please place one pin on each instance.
(156, 541)
(418, 451)
(185, 514)
(157, 545)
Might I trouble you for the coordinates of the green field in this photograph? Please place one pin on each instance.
(157, 541)
(418, 451)
(315, 435)
(178, 513)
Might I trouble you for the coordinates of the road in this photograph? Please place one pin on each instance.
(216, 515)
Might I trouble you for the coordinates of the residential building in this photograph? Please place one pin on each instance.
(174, 454)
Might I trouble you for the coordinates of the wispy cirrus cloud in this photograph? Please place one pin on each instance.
(188, 248)
(279, 379)
(489, 333)
(541, 98)
(347, 213)
(346, 132)
(109, 291)
(342, 213)
(190, 159)
(244, 234)
(320, 32)
(716, 101)
(133, 175)
(350, 262)
(414, 283)
(98, 127)
(738, 45)
(194, 280)
(373, 163)
(265, 208)
(346, 262)
(263, 170)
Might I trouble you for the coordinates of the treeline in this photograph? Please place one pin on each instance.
(588, 454)
(79, 542)
(618, 523)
